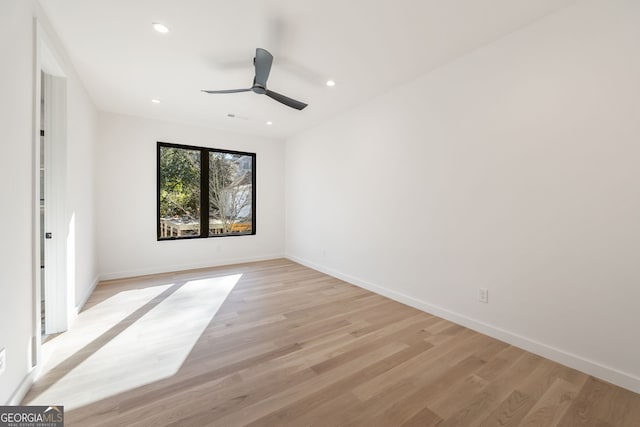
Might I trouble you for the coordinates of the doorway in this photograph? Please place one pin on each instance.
(51, 313)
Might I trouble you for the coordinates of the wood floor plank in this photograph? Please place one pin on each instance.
(551, 407)
(292, 346)
(510, 412)
(424, 418)
(601, 403)
(409, 368)
(495, 392)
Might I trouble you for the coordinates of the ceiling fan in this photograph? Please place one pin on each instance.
(262, 63)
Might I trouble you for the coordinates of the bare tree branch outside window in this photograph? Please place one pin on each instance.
(229, 191)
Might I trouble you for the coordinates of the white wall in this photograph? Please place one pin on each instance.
(127, 201)
(16, 168)
(17, 86)
(514, 168)
(82, 137)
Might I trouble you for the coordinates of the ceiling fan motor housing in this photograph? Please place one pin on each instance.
(261, 90)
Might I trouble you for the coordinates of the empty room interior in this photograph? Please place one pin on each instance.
(332, 213)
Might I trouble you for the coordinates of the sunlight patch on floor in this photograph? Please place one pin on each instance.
(152, 348)
(94, 322)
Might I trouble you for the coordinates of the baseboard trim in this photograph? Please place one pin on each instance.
(87, 294)
(183, 267)
(22, 390)
(606, 373)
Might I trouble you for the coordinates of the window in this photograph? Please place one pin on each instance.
(205, 192)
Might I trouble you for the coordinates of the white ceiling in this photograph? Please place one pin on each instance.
(366, 46)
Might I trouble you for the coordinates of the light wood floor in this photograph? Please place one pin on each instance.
(292, 346)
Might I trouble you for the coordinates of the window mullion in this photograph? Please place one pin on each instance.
(204, 193)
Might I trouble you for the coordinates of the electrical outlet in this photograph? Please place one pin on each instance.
(3, 360)
(483, 295)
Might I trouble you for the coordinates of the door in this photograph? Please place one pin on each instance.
(42, 211)
(53, 233)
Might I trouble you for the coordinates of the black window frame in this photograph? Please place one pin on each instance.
(204, 194)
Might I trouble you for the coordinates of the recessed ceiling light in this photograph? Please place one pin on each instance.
(155, 101)
(161, 28)
(331, 83)
(269, 123)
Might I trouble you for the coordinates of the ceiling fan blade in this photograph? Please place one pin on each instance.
(262, 62)
(227, 91)
(286, 100)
